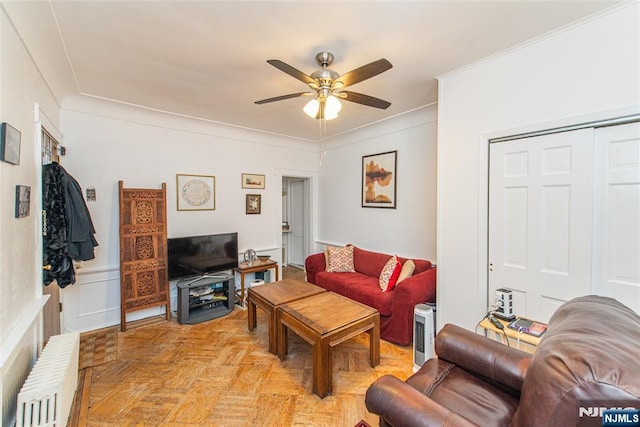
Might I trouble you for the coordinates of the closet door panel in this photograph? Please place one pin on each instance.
(617, 214)
(540, 219)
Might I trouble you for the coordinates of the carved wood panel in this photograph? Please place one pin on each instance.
(143, 250)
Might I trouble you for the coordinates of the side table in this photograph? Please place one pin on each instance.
(255, 267)
(520, 340)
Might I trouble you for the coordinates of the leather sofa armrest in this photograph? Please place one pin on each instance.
(399, 404)
(313, 265)
(483, 356)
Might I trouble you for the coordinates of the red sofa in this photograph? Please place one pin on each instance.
(396, 306)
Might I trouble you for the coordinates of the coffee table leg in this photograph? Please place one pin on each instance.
(282, 337)
(273, 332)
(251, 315)
(374, 343)
(322, 373)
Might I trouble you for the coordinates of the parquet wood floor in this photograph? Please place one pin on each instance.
(216, 373)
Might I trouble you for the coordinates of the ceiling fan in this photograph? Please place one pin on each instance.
(328, 86)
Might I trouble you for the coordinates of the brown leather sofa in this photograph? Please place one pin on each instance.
(588, 358)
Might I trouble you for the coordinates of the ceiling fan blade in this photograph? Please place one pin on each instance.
(363, 99)
(293, 72)
(282, 97)
(362, 73)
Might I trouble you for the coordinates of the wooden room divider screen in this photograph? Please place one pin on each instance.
(143, 250)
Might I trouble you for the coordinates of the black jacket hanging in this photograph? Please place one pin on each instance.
(69, 231)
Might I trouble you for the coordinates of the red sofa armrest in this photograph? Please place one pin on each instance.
(416, 289)
(407, 294)
(399, 404)
(313, 265)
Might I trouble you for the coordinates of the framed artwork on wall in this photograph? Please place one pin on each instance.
(9, 144)
(379, 180)
(196, 192)
(23, 201)
(253, 204)
(252, 180)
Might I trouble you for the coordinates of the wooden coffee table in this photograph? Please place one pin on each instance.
(270, 296)
(324, 321)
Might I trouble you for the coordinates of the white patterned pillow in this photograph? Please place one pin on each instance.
(389, 274)
(340, 260)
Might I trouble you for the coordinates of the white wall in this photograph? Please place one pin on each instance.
(410, 229)
(108, 142)
(20, 271)
(585, 72)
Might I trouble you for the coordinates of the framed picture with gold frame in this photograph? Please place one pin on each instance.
(253, 204)
(196, 192)
(379, 180)
(253, 181)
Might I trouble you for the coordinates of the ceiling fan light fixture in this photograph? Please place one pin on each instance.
(332, 107)
(311, 109)
(326, 104)
(330, 115)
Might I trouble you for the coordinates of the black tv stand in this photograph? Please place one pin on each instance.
(205, 297)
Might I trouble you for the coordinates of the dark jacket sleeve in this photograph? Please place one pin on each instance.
(80, 227)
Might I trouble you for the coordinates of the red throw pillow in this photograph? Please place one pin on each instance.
(390, 273)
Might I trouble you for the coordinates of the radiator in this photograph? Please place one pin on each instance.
(46, 396)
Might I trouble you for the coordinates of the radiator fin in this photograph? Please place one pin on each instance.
(46, 396)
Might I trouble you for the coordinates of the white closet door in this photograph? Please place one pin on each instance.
(540, 220)
(617, 214)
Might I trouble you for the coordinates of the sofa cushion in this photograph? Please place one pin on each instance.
(389, 274)
(340, 259)
(359, 287)
(464, 394)
(372, 263)
(590, 350)
(421, 265)
(369, 263)
(408, 267)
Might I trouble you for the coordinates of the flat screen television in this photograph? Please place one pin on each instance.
(198, 255)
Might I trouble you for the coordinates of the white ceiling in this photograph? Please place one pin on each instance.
(207, 59)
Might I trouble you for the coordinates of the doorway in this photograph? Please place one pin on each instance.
(52, 311)
(295, 220)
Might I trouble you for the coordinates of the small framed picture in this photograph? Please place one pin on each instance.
(9, 144)
(196, 192)
(379, 180)
(23, 201)
(253, 204)
(252, 180)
